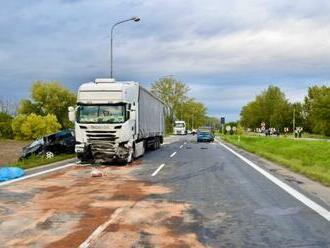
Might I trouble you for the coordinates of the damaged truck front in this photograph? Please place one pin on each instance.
(116, 121)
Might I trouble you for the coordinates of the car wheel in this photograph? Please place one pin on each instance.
(49, 155)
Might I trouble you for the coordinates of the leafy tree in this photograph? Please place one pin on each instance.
(5, 125)
(317, 108)
(271, 107)
(172, 92)
(193, 113)
(212, 122)
(49, 98)
(34, 126)
(297, 110)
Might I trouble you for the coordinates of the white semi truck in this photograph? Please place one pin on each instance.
(116, 121)
(180, 127)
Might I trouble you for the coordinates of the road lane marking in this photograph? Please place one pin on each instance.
(36, 174)
(299, 196)
(173, 154)
(181, 146)
(98, 231)
(156, 171)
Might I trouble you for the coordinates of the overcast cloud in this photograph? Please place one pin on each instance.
(226, 52)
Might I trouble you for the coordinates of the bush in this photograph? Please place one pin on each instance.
(5, 125)
(27, 127)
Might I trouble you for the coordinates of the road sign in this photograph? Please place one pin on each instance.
(222, 120)
(228, 128)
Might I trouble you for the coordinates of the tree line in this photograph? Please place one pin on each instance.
(273, 108)
(174, 94)
(46, 111)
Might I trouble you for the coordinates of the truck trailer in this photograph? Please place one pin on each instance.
(116, 121)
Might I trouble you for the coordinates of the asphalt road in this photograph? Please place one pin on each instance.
(186, 194)
(231, 204)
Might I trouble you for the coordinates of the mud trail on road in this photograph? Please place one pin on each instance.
(63, 209)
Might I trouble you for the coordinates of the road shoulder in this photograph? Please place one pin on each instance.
(298, 181)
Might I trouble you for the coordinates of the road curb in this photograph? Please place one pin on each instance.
(55, 164)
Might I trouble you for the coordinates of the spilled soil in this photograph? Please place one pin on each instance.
(63, 209)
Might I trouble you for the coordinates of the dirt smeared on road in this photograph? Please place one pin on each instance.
(63, 209)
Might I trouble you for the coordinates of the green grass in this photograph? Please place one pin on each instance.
(35, 161)
(310, 158)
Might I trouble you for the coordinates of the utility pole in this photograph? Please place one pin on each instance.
(135, 19)
(294, 120)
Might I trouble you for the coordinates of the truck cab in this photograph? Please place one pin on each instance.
(180, 128)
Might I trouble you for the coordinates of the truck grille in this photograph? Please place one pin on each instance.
(102, 142)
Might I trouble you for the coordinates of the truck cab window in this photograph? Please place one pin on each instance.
(101, 114)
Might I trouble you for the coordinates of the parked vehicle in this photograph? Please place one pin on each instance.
(116, 121)
(193, 131)
(50, 145)
(180, 128)
(205, 136)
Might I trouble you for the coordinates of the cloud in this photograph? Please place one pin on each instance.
(229, 51)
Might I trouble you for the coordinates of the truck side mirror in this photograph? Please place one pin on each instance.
(72, 114)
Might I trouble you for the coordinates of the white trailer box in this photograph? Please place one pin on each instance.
(116, 121)
(151, 118)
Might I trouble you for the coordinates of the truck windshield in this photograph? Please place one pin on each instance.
(179, 125)
(101, 114)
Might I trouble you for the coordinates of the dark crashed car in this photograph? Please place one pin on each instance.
(205, 136)
(48, 146)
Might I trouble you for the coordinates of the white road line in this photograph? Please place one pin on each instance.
(101, 228)
(156, 171)
(181, 146)
(173, 154)
(300, 197)
(36, 174)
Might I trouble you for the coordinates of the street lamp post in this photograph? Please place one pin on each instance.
(134, 18)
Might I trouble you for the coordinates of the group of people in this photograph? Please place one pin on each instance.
(273, 131)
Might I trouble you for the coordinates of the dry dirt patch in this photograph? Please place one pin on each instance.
(63, 209)
(10, 150)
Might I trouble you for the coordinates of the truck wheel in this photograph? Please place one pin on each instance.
(155, 144)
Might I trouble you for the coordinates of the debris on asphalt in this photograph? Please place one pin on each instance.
(96, 173)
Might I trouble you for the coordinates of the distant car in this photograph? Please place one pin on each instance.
(205, 136)
(193, 131)
(50, 145)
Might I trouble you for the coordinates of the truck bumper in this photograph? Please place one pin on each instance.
(104, 153)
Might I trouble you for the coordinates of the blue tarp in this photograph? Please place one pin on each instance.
(9, 173)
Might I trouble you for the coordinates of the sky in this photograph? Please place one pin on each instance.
(227, 52)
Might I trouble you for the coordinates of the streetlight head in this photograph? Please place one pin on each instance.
(136, 19)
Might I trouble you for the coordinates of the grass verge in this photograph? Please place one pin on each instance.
(35, 161)
(310, 158)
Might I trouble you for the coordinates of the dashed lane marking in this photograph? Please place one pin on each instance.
(158, 170)
(181, 146)
(173, 154)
